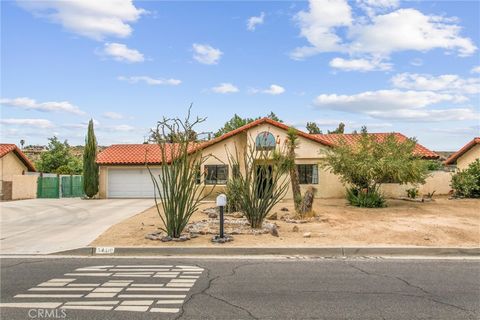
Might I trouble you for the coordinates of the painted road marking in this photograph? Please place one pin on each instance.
(92, 303)
(48, 296)
(137, 302)
(169, 301)
(144, 287)
(132, 308)
(46, 305)
(87, 307)
(165, 310)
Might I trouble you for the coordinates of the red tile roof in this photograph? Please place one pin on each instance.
(6, 148)
(119, 154)
(453, 158)
(136, 154)
(352, 139)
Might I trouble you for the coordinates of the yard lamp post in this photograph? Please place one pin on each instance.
(221, 203)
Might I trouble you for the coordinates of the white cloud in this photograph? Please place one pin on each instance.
(225, 88)
(51, 106)
(90, 18)
(475, 69)
(150, 81)
(409, 29)
(445, 83)
(117, 128)
(121, 52)
(454, 114)
(35, 123)
(398, 105)
(372, 7)
(274, 89)
(318, 25)
(206, 54)
(328, 26)
(252, 22)
(362, 65)
(113, 115)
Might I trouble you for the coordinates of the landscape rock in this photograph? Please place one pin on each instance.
(166, 239)
(273, 216)
(237, 215)
(307, 235)
(213, 215)
(274, 231)
(295, 229)
(284, 209)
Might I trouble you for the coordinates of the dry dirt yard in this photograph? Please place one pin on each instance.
(443, 222)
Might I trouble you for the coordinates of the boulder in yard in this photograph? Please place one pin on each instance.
(284, 209)
(273, 216)
(274, 230)
(307, 235)
(295, 229)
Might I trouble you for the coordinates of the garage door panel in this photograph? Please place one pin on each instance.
(131, 183)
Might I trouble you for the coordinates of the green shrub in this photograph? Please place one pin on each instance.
(362, 198)
(433, 165)
(412, 193)
(466, 183)
(233, 193)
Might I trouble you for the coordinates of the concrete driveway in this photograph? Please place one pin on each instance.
(52, 225)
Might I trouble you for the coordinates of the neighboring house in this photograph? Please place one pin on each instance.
(13, 163)
(123, 173)
(466, 155)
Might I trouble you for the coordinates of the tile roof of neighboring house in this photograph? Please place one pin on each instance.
(6, 148)
(119, 154)
(133, 154)
(453, 158)
(336, 138)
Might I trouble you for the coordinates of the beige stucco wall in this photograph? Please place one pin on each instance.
(468, 157)
(10, 165)
(24, 187)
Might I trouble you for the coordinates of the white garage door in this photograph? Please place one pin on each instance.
(131, 183)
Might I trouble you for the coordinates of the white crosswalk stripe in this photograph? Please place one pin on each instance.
(167, 285)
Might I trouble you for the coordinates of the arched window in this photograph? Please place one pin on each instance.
(265, 141)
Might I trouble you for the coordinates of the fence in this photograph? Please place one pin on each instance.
(72, 186)
(55, 186)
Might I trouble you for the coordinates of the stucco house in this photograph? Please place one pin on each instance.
(13, 163)
(123, 172)
(466, 155)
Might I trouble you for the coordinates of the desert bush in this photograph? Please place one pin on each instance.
(177, 184)
(371, 162)
(233, 191)
(466, 183)
(412, 193)
(365, 198)
(262, 182)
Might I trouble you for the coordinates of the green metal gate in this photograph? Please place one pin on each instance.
(72, 186)
(48, 187)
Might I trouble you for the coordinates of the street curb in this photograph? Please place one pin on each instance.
(302, 251)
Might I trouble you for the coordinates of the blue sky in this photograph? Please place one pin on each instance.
(411, 67)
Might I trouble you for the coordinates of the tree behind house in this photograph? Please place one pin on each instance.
(90, 167)
(312, 128)
(365, 166)
(58, 159)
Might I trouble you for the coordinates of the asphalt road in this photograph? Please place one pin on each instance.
(51, 225)
(246, 289)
